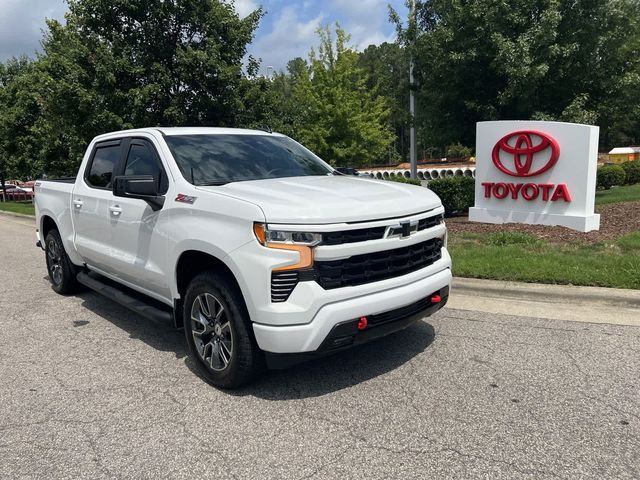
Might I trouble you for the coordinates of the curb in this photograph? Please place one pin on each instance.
(19, 215)
(547, 293)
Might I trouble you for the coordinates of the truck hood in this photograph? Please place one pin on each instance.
(330, 199)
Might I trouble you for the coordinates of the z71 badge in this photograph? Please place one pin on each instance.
(185, 198)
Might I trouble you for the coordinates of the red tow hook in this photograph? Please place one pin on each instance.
(436, 298)
(362, 323)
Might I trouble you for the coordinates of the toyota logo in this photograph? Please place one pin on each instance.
(524, 147)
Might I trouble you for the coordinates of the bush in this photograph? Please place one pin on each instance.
(610, 175)
(458, 150)
(632, 171)
(401, 179)
(457, 193)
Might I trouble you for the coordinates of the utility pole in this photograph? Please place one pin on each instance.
(413, 154)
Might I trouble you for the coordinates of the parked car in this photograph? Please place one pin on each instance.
(15, 193)
(261, 251)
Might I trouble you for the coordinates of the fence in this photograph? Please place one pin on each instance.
(16, 196)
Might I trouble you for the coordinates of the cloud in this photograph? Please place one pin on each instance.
(366, 20)
(290, 36)
(245, 7)
(22, 22)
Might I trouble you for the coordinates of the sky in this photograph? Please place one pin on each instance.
(286, 31)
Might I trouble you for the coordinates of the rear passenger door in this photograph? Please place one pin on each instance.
(136, 230)
(90, 201)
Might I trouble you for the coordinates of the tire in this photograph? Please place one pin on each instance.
(218, 332)
(62, 273)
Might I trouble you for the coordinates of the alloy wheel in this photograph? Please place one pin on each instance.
(54, 260)
(211, 330)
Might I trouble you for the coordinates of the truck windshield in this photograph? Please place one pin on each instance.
(220, 158)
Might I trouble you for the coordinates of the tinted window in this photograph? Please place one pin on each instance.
(142, 160)
(216, 159)
(104, 162)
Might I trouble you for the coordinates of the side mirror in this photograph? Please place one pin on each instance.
(143, 187)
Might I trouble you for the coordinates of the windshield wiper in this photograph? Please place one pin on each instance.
(213, 184)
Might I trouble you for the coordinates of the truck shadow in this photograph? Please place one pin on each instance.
(310, 379)
(159, 335)
(345, 369)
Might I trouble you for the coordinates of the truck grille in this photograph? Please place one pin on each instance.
(353, 236)
(373, 233)
(373, 267)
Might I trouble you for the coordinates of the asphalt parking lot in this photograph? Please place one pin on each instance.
(88, 389)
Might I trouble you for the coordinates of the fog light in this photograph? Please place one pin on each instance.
(436, 299)
(362, 323)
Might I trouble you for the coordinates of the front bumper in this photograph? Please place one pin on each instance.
(310, 336)
(346, 335)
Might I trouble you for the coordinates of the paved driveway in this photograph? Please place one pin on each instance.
(89, 389)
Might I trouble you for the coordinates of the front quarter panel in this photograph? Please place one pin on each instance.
(214, 224)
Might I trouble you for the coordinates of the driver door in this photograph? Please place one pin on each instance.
(137, 230)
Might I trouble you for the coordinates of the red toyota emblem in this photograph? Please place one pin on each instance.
(526, 146)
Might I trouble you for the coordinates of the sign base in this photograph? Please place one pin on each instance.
(576, 222)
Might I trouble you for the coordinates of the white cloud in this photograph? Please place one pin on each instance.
(245, 7)
(289, 37)
(366, 21)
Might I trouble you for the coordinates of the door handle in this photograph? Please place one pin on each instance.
(115, 210)
(77, 203)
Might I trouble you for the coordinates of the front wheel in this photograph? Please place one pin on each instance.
(62, 272)
(217, 327)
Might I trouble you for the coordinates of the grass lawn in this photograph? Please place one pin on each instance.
(17, 207)
(523, 257)
(629, 193)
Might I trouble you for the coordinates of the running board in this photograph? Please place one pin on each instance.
(121, 295)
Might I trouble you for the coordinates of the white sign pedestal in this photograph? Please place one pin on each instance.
(536, 172)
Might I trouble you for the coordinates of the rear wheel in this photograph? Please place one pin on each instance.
(218, 331)
(62, 272)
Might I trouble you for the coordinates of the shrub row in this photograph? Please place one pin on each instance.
(457, 193)
(627, 173)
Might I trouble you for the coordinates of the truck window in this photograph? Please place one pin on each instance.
(142, 160)
(102, 165)
(221, 158)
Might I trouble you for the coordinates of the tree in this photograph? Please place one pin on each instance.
(342, 120)
(19, 114)
(124, 63)
(386, 67)
(573, 60)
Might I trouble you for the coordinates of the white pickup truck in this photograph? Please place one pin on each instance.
(262, 252)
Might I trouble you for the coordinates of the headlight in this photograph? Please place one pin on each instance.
(301, 242)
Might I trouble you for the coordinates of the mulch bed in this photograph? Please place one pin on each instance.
(616, 219)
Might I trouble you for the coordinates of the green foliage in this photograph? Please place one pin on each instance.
(610, 176)
(386, 67)
(342, 120)
(632, 172)
(457, 193)
(125, 64)
(457, 150)
(478, 60)
(402, 179)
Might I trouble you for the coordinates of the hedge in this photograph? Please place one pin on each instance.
(610, 176)
(401, 179)
(457, 193)
(632, 171)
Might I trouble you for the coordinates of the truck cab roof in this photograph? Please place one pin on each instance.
(173, 131)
